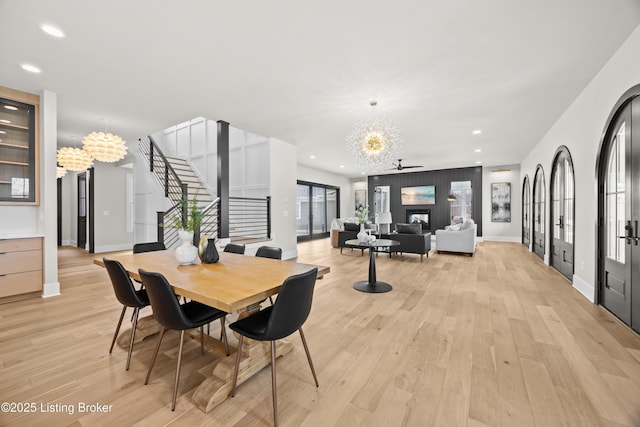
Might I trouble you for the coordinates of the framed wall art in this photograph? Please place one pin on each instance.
(501, 202)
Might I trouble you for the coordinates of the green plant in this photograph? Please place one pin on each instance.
(193, 215)
(363, 214)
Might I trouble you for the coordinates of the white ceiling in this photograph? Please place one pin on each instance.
(305, 72)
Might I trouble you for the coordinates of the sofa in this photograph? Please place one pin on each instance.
(412, 240)
(350, 231)
(458, 238)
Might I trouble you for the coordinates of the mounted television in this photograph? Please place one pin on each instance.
(423, 195)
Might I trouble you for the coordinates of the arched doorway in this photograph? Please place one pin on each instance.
(562, 213)
(526, 206)
(619, 211)
(539, 212)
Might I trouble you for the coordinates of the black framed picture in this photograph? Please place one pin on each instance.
(501, 202)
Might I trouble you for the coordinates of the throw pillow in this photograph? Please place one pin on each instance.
(455, 227)
(456, 220)
(350, 226)
(467, 224)
(409, 228)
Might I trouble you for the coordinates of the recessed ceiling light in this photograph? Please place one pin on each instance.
(5, 121)
(11, 107)
(477, 132)
(312, 156)
(52, 30)
(361, 173)
(478, 162)
(31, 68)
(477, 150)
(341, 166)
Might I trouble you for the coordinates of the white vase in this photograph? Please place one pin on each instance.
(362, 235)
(186, 253)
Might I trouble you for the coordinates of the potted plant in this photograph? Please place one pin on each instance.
(187, 220)
(363, 218)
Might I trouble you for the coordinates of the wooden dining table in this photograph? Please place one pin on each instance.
(236, 283)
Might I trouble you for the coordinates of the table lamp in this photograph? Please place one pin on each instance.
(385, 218)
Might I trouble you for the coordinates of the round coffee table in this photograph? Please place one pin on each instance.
(372, 285)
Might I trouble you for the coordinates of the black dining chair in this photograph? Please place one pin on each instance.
(128, 296)
(234, 248)
(139, 248)
(278, 321)
(171, 315)
(269, 252)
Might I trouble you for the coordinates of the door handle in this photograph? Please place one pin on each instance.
(629, 229)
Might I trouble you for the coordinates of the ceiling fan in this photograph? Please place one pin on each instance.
(398, 166)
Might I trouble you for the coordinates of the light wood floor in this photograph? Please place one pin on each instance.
(494, 339)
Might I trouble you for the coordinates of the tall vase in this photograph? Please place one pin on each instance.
(362, 235)
(186, 253)
(210, 254)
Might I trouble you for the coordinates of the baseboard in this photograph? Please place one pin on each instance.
(67, 243)
(51, 290)
(112, 248)
(584, 287)
(512, 239)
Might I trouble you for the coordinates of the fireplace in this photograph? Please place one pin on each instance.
(419, 216)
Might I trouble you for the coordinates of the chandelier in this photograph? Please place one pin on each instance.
(74, 159)
(104, 147)
(60, 172)
(375, 142)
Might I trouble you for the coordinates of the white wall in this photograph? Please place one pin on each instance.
(249, 164)
(502, 231)
(110, 216)
(282, 183)
(581, 128)
(328, 178)
(47, 222)
(148, 200)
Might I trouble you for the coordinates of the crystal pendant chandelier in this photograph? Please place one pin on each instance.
(104, 147)
(375, 142)
(74, 159)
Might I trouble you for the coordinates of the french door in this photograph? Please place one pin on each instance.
(619, 281)
(538, 213)
(316, 206)
(526, 206)
(562, 208)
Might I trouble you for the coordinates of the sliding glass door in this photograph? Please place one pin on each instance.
(316, 206)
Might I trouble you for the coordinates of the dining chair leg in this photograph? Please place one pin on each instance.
(175, 385)
(224, 335)
(115, 335)
(273, 383)
(306, 349)
(155, 354)
(235, 372)
(136, 312)
(202, 339)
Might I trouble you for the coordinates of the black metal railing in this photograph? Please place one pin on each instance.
(249, 218)
(161, 168)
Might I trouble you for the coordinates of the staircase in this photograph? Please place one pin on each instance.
(180, 182)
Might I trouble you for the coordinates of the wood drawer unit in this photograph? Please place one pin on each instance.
(20, 266)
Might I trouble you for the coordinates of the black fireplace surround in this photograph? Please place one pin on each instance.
(419, 216)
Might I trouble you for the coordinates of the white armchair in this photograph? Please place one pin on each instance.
(458, 241)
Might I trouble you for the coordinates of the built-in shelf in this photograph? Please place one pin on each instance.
(13, 126)
(6, 162)
(6, 144)
(19, 145)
